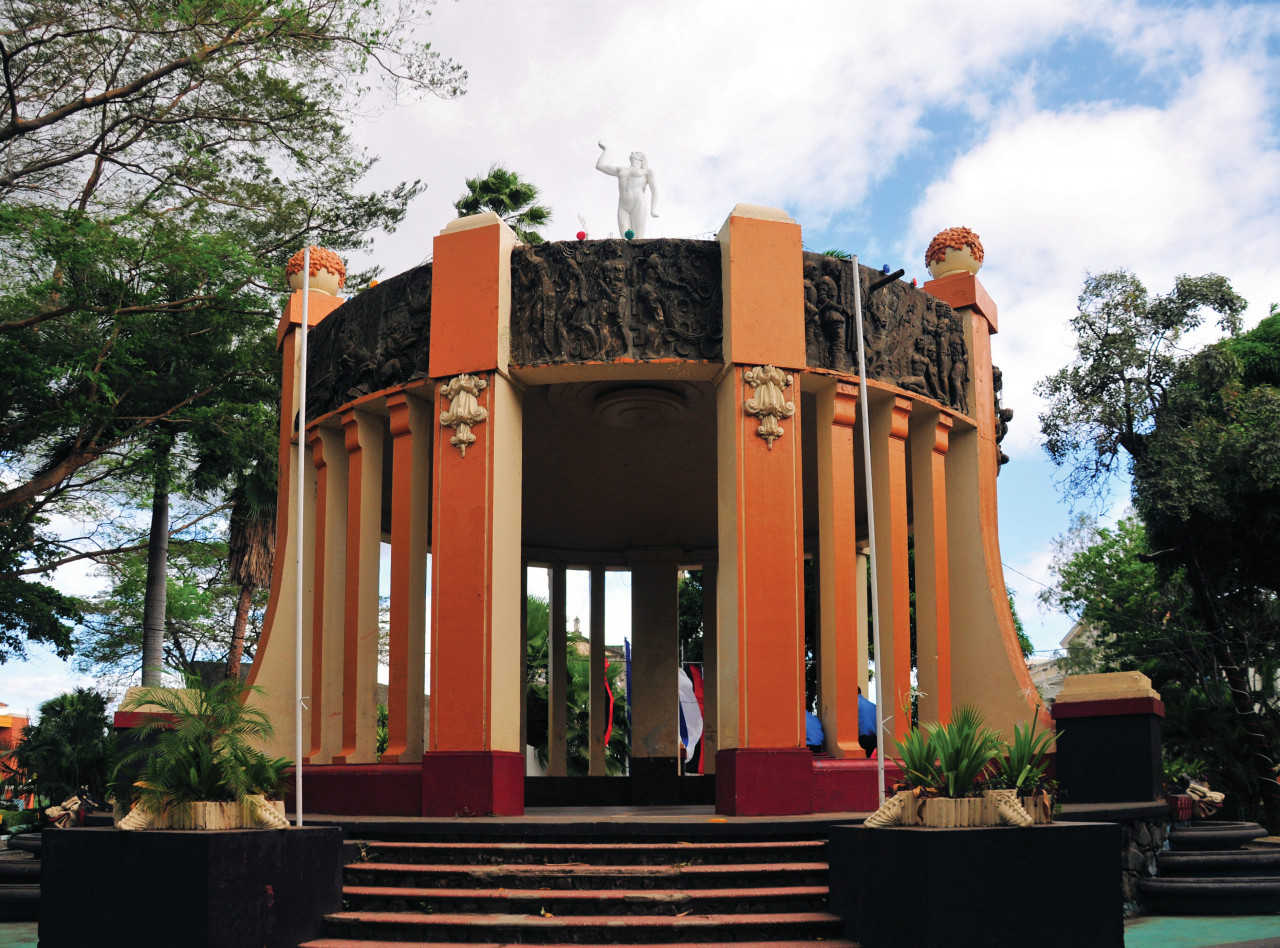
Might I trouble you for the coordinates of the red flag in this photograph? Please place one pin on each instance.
(608, 731)
(695, 674)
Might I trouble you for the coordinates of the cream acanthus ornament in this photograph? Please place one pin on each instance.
(462, 392)
(768, 402)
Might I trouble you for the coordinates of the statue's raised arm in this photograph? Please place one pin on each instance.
(633, 205)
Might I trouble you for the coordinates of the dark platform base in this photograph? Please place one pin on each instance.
(227, 889)
(957, 888)
(615, 791)
(851, 784)
(362, 789)
(1109, 757)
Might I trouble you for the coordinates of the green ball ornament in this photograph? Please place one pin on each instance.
(629, 234)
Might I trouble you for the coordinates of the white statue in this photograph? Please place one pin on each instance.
(631, 184)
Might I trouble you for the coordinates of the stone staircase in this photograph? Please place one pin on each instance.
(20, 879)
(616, 890)
(1216, 868)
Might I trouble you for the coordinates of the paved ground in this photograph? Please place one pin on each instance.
(1203, 931)
(17, 935)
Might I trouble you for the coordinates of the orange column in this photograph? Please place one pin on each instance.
(474, 764)
(762, 766)
(329, 454)
(363, 435)
(411, 432)
(839, 577)
(316, 692)
(929, 440)
(889, 420)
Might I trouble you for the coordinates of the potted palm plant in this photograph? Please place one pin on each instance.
(196, 766)
(944, 767)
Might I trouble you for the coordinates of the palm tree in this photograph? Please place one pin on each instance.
(511, 198)
(251, 544)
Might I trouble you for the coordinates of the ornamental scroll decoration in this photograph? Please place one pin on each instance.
(462, 392)
(769, 401)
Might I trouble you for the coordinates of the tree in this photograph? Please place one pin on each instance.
(70, 746)
(1199, 441)
(1102, 405)
(577, 696)
(157, 167)
(511, 198)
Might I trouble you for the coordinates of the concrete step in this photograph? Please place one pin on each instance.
(19, 868)
(1215, 835)
(587, 901)
(606, 853)
(581, 876)
(577, 930)
(1212, 896)
(1233, 863)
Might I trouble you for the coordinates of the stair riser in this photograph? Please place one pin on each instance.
(556, 935)
(765, 878)
(605, 856)
(561, 907)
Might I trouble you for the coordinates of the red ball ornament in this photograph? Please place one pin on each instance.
(582, 235)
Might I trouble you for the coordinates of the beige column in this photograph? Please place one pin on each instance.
(557, 676)
(363, 435)
(524, 656)
(655, 725)
(329, 456)
(838, 562)
(930, 432)
(889, 420)
(710, 680)
(599, 697)
(863, 622)
(410, 531)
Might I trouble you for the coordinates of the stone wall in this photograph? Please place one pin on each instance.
(1140, 841)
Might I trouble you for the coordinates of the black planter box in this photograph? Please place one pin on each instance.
(1053, 886)
(220, 889)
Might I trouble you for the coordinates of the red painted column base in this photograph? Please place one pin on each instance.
(472, 783)
(764, 781)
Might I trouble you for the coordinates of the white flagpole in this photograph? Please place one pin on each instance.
(871, 532)
(298, 534)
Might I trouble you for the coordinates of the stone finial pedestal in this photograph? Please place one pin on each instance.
(1108, 747)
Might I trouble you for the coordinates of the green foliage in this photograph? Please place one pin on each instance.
(511, 198)
(70, 746)
(949, 758)
(689, 599)
(1103, 403)
(577, 697)
(384, 732)
(158, 167)
(1024, 640)
(201, 747)
(965, 746)
(1023, 762)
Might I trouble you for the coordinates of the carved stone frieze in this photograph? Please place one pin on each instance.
(912, 340)
(1003, 415)
(604, 300)
(378, 339)
(768, 402)
(462, 392)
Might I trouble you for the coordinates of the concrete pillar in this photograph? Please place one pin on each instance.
(889, 420)
(599, 696)
(363, 435)
(557, 675)
(762, 766)
(410, 537)
(929, 436)
(474, 764)
(710, 681)
(329, 457)
(655, 656)
(838, 561)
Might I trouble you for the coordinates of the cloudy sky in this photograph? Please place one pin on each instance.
(1073, 137)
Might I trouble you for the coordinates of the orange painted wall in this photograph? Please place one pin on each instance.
(469, 272)
(762, 266)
